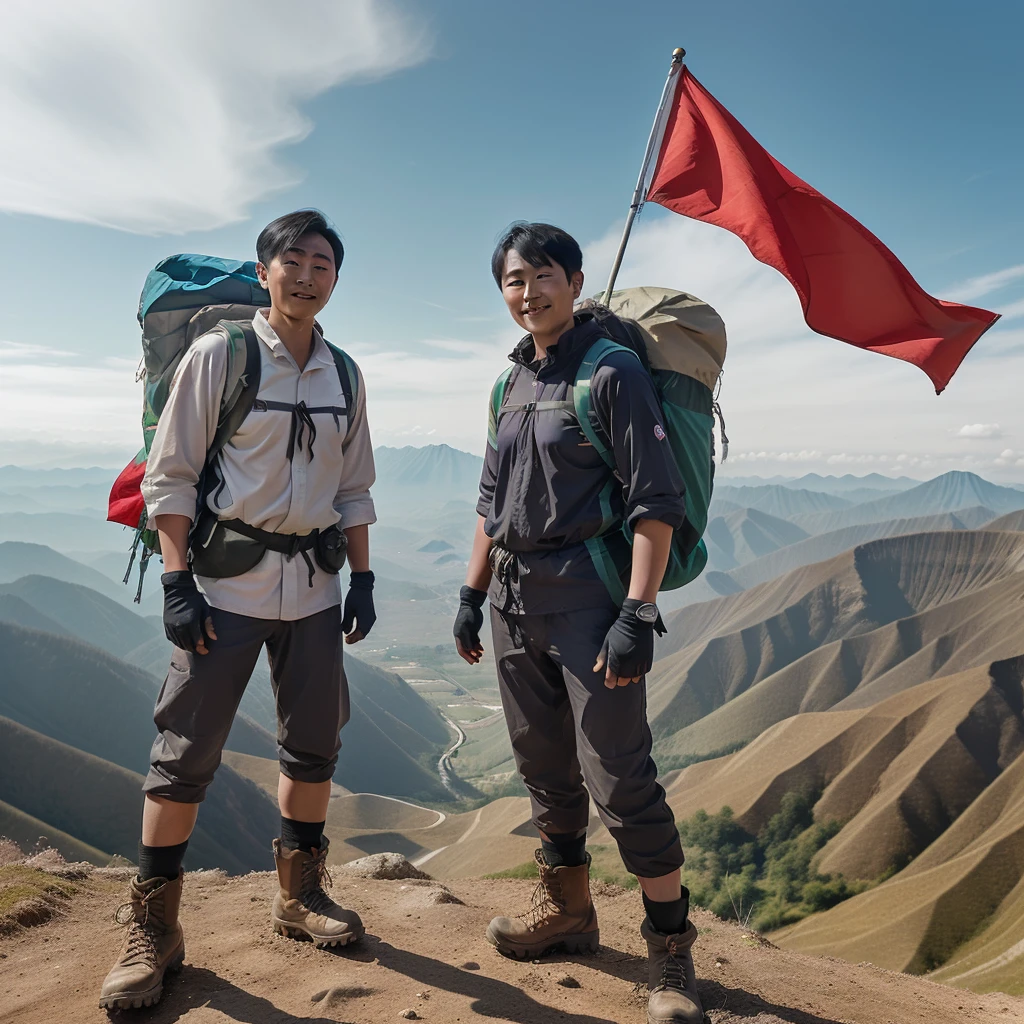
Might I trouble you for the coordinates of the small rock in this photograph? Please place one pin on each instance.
(423, 995)
(317, 996)
(567, 981)
(470, 965)
(383, 866)
(409, 1015)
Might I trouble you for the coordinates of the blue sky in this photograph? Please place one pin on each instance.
(423, 128)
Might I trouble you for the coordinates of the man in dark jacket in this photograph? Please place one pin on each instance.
(571, 663)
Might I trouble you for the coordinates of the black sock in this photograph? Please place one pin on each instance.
(668, 918)
(301, 835)
(161, 861)
(564, 851)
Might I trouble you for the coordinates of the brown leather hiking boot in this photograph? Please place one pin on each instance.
(561, 915)
(671, 981)
(302, 910)
(153, 945)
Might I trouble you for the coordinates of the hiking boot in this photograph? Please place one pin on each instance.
(671, 981)
(154, 944)
(561, 916)
(302, 910)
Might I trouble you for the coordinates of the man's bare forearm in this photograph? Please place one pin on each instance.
(173, 531)
(478, 574)
(652, 543)
(358, 548)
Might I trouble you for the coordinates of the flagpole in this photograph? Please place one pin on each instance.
(653, 144)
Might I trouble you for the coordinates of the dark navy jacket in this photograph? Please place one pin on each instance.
(540, 488)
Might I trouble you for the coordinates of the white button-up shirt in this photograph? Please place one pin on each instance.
(261, 486)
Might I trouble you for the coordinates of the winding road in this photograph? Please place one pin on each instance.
(444, 764)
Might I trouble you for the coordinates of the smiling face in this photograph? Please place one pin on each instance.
(540, 299)
(300, 279)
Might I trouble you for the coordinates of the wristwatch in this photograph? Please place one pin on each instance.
(647, 613)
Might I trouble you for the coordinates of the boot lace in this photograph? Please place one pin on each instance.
(546, 901)
(673, 974)
(140, 938)
(315, 878)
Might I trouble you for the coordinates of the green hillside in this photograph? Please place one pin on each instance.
(26, 831)
(84, 612)
(19, 612)
(100, 803)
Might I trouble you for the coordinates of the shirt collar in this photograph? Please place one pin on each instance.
(267, 334)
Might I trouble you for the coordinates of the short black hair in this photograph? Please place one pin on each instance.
(540, 245)
(281, 234)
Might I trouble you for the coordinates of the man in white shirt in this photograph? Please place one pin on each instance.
(252, 561)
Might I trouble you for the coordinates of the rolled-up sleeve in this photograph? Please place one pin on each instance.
(353, 502)
(186, 430)
(488, 480)
(629, 412)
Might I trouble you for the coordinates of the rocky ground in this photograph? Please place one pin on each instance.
(425, 952)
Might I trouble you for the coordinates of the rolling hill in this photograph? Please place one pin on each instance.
(857, 628)
(18, 559)
(740, 537)
(784, 502)
(435, 473)
(99, 803)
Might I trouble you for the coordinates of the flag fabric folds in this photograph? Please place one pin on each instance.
(851, 286)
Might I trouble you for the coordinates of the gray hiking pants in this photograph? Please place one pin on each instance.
(567, 728)
(201, 693)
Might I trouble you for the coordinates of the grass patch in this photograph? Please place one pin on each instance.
(764, 881)
(22, 885)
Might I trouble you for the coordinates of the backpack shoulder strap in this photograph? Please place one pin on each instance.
(494, 410)
(599, 351)
(348, 375)
(241, 385)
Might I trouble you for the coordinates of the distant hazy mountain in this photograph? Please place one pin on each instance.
(945, 493)
(843, 484)
(84, 613)
(739, 537)
(435, 473)
(72, 532)
(27, 477)
(776, 500)
(19, 559)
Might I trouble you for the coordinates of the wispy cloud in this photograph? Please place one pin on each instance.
(985, 284)
(162, 118)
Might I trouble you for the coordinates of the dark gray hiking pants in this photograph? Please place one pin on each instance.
(200, 696)
(567, 728)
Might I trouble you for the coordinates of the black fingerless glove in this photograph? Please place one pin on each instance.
(629, 646)
(359, 611)
(185, 611)
(470, 618)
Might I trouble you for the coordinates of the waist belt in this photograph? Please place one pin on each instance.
(288, 544)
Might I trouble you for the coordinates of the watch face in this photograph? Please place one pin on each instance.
(647, 613)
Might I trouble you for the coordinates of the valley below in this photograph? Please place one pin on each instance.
(838, 719)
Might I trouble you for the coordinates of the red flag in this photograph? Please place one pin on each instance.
(850, 285)
(125, 505)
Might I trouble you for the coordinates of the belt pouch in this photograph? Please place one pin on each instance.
(218, 552)
(330, 549)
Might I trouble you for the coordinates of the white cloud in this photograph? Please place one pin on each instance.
(976, 287)
(979, 431)
(51, 397)
(168, 117)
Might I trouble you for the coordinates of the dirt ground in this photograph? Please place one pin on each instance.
(430, 956)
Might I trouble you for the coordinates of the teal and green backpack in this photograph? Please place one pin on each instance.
(681, 342)
(185, 297)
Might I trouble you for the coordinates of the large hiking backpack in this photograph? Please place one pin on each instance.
(681, 342)
(185, 297)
